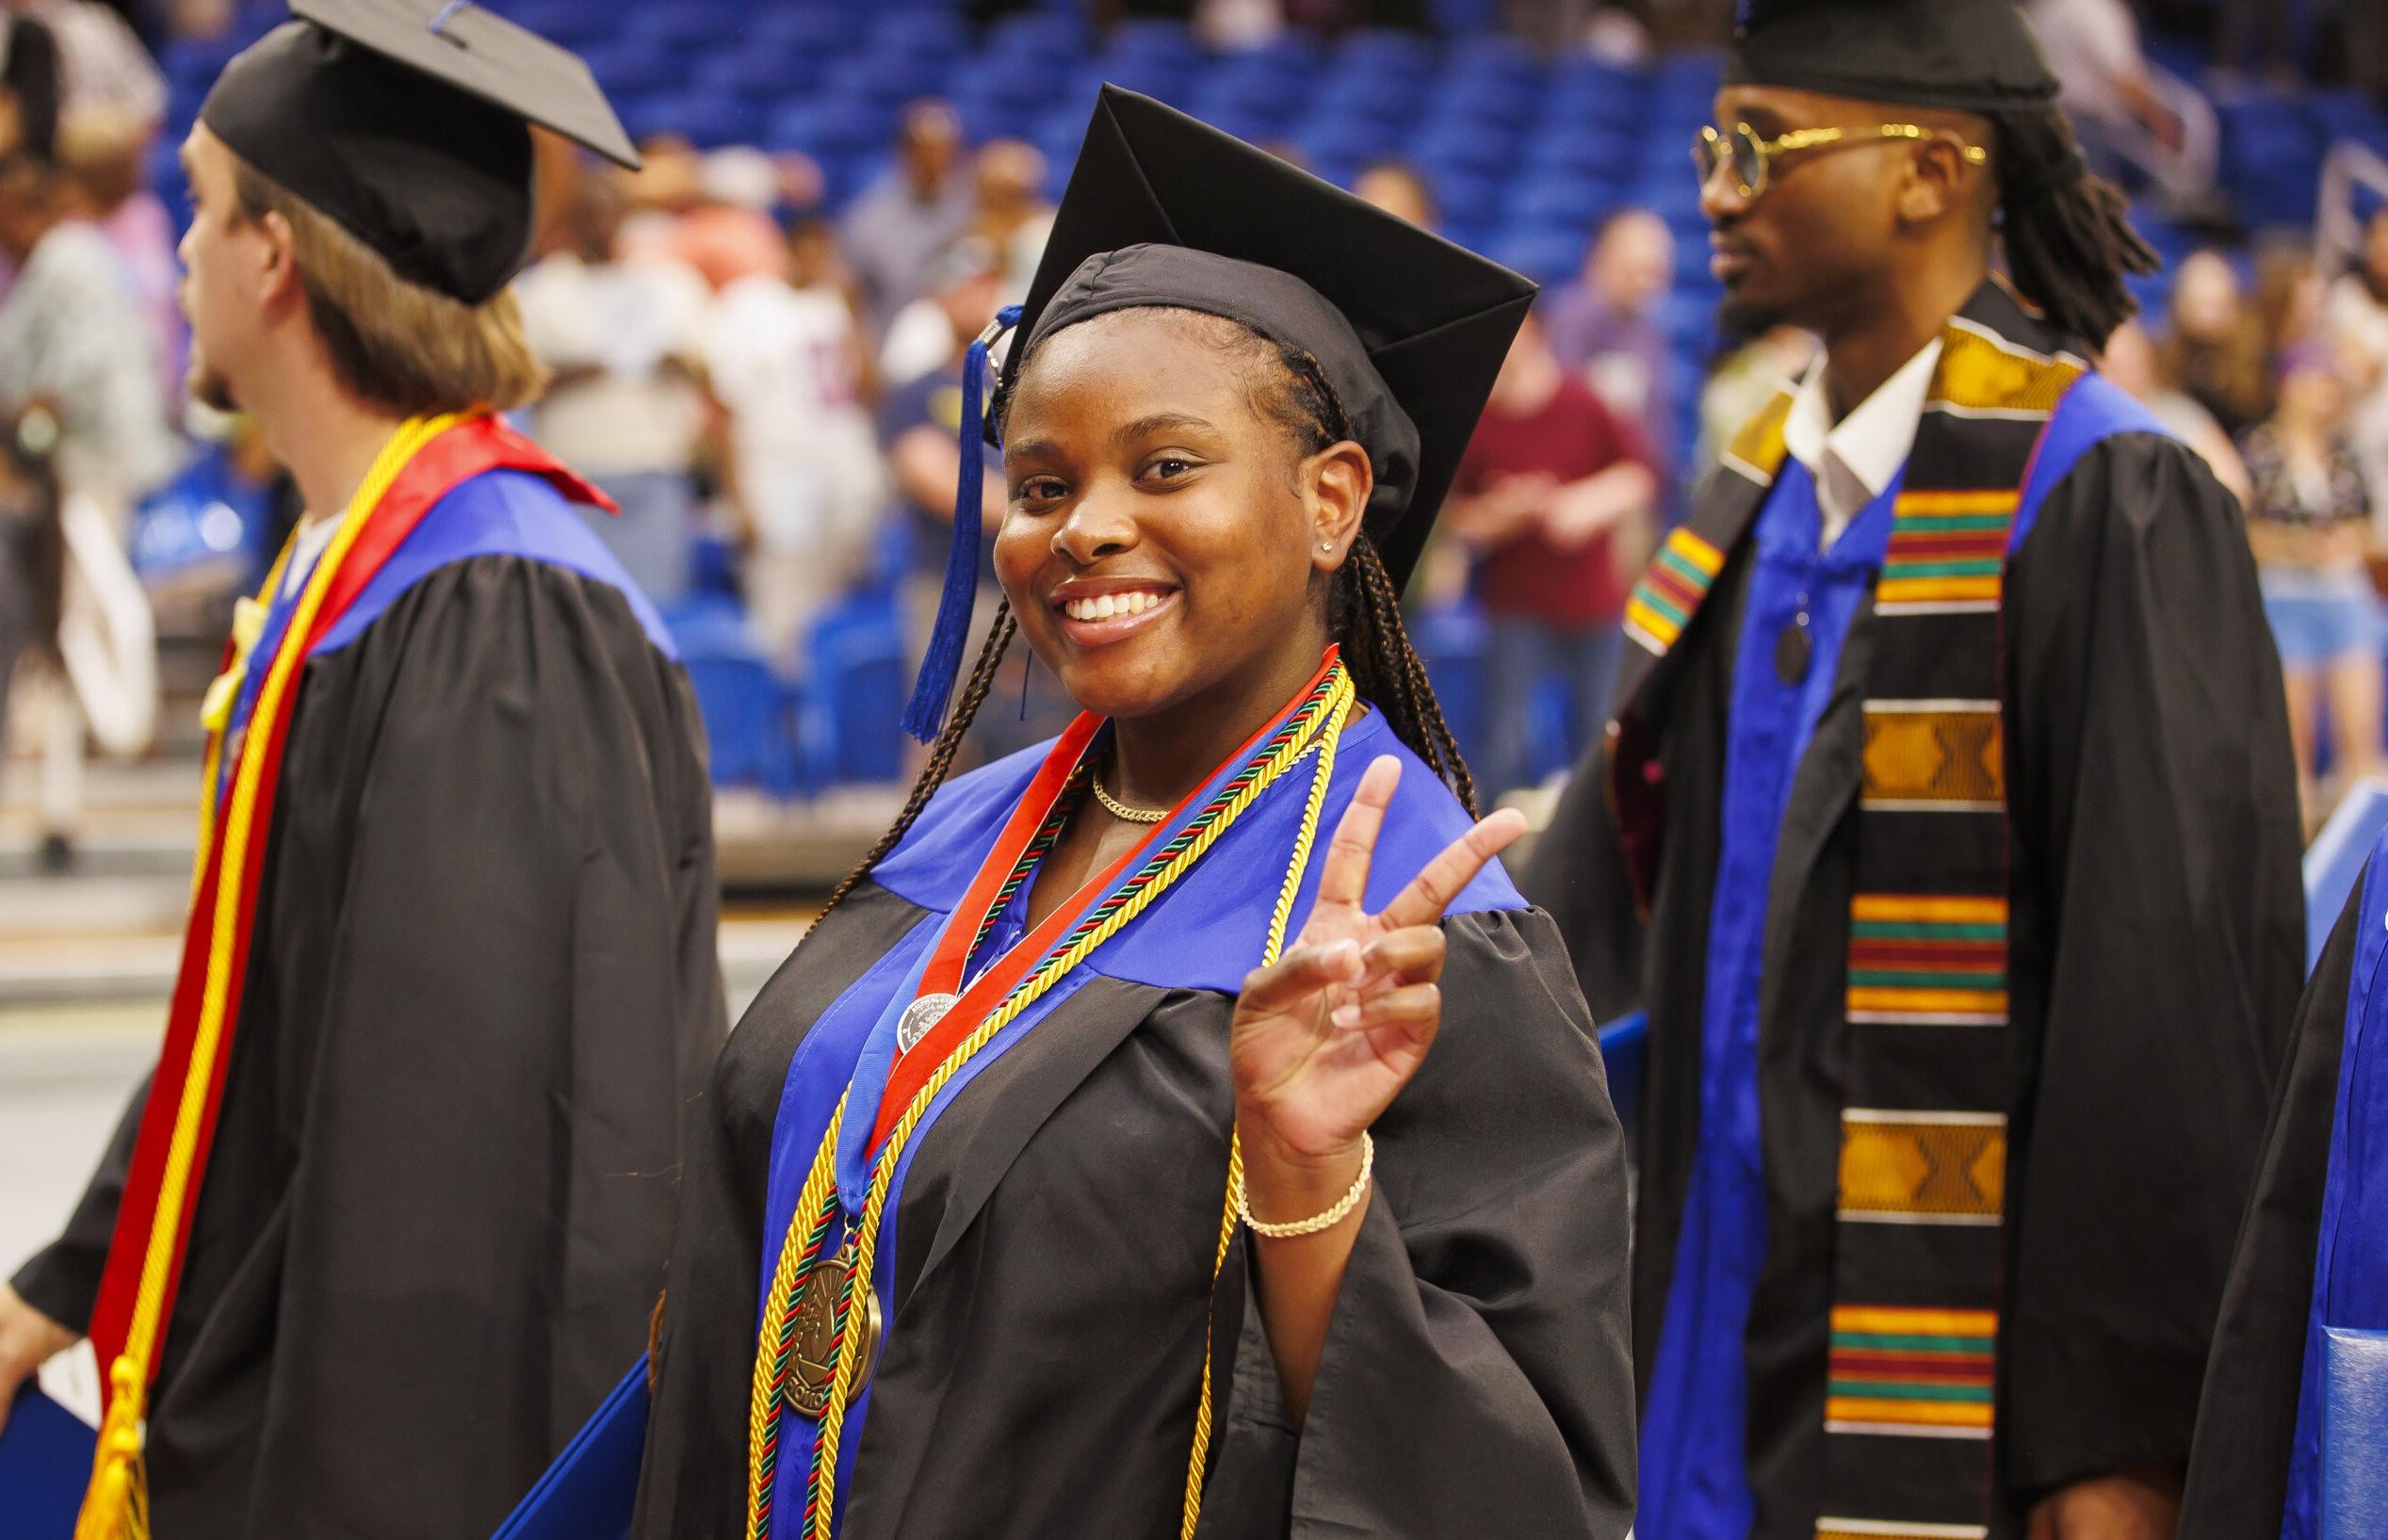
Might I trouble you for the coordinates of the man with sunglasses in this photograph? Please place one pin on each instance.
(1947, 831)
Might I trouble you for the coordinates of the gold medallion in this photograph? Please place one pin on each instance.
(813, 1362)
(919, 1016)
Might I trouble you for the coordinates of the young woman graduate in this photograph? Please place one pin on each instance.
(1182, 1128)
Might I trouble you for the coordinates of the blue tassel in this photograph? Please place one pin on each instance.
(941, 665)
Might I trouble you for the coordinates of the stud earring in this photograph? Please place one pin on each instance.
(1326, 546)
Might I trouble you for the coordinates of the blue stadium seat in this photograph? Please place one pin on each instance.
(1348, 142)
(1459, 146)
(2270, 153)
(1547, 254)
(1465, 197)
(1385, 60)
(1589, 153)
(821, 30)
(682, 27)
(1451, 641)
(1561, 200)
(925, 34)
(1148, 37)
(1047, 38)
(749, 714)
(627, 69)
(986, 117)
(1481, 101)
(1494, 55)
(707, 120)
(2347, 114)
(859, 678)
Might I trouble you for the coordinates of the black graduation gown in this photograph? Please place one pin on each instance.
(2156, 952)
(483, 972)
(2247, 1424)
(1054, 1244)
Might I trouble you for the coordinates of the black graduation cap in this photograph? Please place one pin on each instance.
(406, 121)
(1965, 55)
(1162, 210)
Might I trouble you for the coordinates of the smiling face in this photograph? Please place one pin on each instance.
(1169, 535)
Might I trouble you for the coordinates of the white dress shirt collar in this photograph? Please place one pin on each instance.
(1853, 459)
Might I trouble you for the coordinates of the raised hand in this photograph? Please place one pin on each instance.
(1325, 1037)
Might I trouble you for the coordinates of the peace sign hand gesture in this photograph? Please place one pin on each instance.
(1326, 1036)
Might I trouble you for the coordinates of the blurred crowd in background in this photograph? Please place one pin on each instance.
(756, 341)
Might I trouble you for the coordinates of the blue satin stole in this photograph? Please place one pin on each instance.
(498, 513)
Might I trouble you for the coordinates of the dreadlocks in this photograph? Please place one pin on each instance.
(1364, 612)
(2069, 243)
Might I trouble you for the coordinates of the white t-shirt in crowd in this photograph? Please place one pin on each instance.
(782, 362)
(2359, 320)
(629, 320)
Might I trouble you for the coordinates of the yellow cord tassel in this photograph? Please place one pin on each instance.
(117, 1505)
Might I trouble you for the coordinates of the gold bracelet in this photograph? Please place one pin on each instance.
(1326, 1221)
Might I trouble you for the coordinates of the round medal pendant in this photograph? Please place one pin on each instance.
(919, 1016)
(813, 1368)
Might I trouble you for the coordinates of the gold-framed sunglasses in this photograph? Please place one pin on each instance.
(1750, 159)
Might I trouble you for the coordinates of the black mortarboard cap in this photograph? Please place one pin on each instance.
(1407, 329)
(406, 122)
(1164, 210)
(1964, 56)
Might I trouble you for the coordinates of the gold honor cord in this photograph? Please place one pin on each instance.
(1303, 838)
(809, 1224)
(115, 1505)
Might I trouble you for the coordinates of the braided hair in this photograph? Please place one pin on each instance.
(1364, 610)
(2069, 241)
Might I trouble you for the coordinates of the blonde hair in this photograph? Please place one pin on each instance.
(396, 344)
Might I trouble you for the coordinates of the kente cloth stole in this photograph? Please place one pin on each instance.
(1919, 1254)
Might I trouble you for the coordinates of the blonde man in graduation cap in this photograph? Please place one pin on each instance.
(388, 1219)
(1951, 763)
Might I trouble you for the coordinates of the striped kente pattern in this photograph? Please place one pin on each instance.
(1661, 603)
(1922, 1168)
(1073, 792)
(1928, 961)
(1897, 1370)
(818, 1205)
(1934, 756)
(1948, 549)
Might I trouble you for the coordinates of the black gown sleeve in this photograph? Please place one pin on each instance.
(62, 1280)
(520, 978)
(1577, 874)
(2247, 1422)
(2159, 922)
(1477, 1377)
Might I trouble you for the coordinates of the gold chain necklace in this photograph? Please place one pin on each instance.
(1121, 810)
